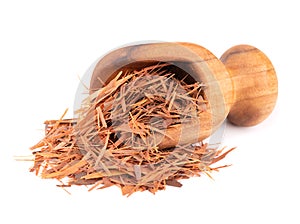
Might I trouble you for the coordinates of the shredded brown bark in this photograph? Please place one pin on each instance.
(115, 139)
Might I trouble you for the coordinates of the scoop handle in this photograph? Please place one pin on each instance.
(255, 85)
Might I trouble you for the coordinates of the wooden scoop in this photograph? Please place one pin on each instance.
(241, 86)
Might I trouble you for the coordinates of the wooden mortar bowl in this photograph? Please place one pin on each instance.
(241, 86)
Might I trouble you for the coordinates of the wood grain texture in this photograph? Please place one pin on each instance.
(255, 84)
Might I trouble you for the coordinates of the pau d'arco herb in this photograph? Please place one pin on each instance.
(149, 112)
(115, 139)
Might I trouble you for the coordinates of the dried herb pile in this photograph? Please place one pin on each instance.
(115, 139)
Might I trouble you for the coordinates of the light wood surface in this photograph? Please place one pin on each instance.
(255, 84)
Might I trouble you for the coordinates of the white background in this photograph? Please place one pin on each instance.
(45, 47)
